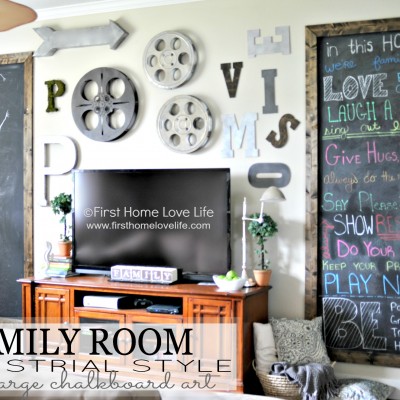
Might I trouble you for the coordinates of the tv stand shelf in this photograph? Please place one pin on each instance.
(61, 300)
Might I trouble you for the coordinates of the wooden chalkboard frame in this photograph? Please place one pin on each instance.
(27, 60)
(312, 274)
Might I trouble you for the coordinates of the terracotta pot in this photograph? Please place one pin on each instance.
(64, 248)
(262, 276)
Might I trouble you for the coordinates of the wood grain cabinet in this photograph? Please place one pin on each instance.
(207, 311)
(61, 300)
(52, 305)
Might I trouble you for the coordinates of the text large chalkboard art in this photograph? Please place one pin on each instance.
(15, 179)
(358, 211)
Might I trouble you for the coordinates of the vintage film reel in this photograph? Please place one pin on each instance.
(184, 124)
(104, 104)
(169, 60)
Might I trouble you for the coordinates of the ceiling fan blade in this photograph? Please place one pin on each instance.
(14, 14)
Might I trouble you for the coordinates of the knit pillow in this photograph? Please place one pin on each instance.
(299, 341)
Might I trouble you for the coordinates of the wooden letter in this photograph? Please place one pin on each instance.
(285, 119)
(232, 84)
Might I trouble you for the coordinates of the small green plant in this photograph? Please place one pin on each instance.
(262, 231)
(62, 205)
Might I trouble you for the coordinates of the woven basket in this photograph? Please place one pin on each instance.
(278, 386)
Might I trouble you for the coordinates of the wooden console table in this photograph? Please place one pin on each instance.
(60, 300)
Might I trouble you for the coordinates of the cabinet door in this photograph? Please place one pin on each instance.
(209, 311)
(110, 340)
(219, 340)
(52, 305)
(154, 347)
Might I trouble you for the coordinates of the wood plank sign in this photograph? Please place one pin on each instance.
(357, 210)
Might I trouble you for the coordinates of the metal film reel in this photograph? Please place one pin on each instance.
(184, 124)
(104, 104)
(170, 59)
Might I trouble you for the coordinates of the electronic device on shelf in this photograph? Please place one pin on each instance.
(110, 302)
(164, 309)
(153, 217)
(142, 303)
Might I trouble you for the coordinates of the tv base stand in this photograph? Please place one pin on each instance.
(60, 300)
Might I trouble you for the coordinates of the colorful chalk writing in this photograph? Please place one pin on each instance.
(359, 191)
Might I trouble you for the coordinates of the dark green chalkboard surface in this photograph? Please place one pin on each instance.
(354, 199)
(15, 179)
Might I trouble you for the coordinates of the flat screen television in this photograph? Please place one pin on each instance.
(152, 217)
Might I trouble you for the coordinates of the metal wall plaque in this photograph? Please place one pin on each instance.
(169, 60)
(184, 124)
(269, 76)
(264, 175)
(104, 104)
(268, 46)
(245, 134)
(111, 34)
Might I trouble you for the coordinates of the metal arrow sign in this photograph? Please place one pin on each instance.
(111, 34)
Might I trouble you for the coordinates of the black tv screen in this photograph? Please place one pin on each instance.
(171, 217)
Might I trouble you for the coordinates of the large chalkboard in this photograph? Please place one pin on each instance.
(15, 178)
(353, 134)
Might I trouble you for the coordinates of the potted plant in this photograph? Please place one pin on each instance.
(261, 231)
(62, 205)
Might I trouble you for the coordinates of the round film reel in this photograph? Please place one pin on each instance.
(184, 124)
(170, 59)
(104, 104)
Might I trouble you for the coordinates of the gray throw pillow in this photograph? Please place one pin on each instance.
(299, 341)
